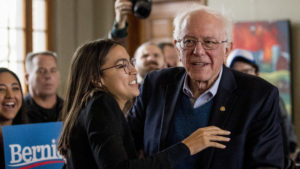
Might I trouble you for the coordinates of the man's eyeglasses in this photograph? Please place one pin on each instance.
(190, 43)
(124, 65)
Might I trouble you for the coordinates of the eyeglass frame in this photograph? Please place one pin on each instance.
(125, 63)
(203, 43)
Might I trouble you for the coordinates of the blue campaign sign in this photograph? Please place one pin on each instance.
(32, 146)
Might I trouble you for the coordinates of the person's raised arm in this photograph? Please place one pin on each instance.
(122, 9)
(119, 29)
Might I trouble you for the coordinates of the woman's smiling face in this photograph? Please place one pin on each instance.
(119, 75)
(10, 97)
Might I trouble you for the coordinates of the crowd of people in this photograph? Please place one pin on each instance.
(178, 105)
(41, 104)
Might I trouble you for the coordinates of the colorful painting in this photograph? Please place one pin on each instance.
(269, 42)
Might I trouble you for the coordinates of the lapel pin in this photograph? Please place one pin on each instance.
(222, 108)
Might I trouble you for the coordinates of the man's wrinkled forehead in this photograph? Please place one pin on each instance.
(43, 61)
(150, 49)
(202, 22)
(41, 57)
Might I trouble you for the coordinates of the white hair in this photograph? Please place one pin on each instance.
(178, 21)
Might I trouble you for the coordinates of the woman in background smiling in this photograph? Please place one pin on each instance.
(11, 100)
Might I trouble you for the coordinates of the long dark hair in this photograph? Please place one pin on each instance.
(83, 81)
(21, 116)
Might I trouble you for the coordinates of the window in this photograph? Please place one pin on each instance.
(23, 28)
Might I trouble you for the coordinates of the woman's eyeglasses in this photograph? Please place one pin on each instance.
(124, 65)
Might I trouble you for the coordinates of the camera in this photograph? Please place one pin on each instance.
(141, 8)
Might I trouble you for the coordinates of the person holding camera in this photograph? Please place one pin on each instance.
(119, 30)
(149, 56)
(140, 8)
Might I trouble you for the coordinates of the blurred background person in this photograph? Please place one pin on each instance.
(95, 133)
(243, 61)
(11, 104)
(170, 53)
(42, 77)
(148, 57)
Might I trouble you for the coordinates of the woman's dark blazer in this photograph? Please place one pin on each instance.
(101, 139)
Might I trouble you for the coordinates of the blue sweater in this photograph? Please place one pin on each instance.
(187, 120)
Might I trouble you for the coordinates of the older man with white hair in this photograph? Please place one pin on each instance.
(207, 95)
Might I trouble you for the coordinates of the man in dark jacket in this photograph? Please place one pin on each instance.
(42, 76)
(175, 102)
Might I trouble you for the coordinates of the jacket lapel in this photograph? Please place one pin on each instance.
(172, 92)
(223, 102)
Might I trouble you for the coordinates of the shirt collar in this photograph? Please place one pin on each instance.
(211, 91)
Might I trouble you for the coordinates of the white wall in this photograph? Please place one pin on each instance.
(270, 10)
(76, 22)
(104, 17)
